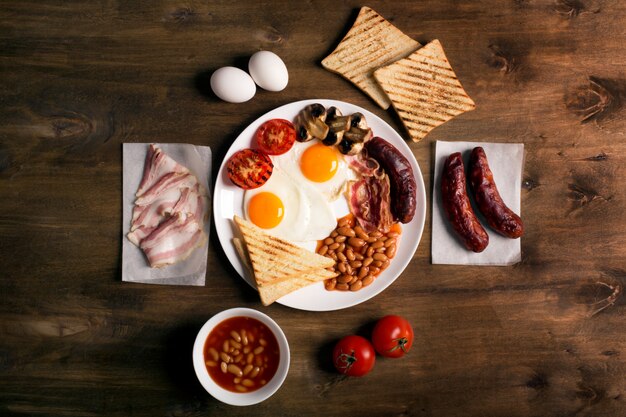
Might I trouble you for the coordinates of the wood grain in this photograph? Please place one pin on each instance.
(78, 79)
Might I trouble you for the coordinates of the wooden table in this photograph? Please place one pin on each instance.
(542, 338)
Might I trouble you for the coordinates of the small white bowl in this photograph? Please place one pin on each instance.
(236, 398)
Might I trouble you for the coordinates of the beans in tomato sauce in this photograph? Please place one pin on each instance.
(359, 256)
(241, 354)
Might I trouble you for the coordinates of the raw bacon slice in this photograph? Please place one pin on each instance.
(173, 240)
(166, 182)
(157, 164)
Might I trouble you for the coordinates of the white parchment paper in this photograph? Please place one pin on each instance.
(135, 267)
(506, 162)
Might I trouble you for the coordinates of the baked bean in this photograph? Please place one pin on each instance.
(334, 234)
(235, 344)
(380, 257)
(342, 267)
(360, 232)
(367, 261)
(393, 234)
(247, 369)
(211, 363)
(235, 336)
(350, 254)
(344, 222)
(255, 372)
(249, 360)
(343, 279)
(258, 350)
(237, 380)
(226, 346)
(370, 252)
(349, 269)
(247, 383)
(244, 338)
(346, 231)
(225, 357)
(330, 284)
(322, 251)
(356, 242)
(356, 286)
(224, 367)
(363, 271)
(376, 234)
(353, 280)
(241, 388)
(239, 357)
(262, 342)
(378, 244)
(342, 247)
(329, 241)
(342, 287)
(391, 251)
(390, 242)
(356, 264)
(385, 264)
(214, 353)
(333, 256)
(377, 264)
(367, 280)
(333, 246)
(374, 270)
(371, 239)
(358, 256)
(340, 239)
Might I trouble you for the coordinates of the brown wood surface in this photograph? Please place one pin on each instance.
(545, 337)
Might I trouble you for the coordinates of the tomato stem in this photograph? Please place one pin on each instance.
(400, 344)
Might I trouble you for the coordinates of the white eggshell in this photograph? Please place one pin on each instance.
(268, 71)
(232, 84)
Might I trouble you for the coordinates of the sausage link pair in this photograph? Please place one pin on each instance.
(501, 218)
(457, 205)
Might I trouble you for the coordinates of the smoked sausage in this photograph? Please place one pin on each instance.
(501, 218)
(403, 188)
(457, 205)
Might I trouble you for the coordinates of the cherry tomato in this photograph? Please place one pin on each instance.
(392, 336)
(354, 356)
(249, 168)
(276, 136)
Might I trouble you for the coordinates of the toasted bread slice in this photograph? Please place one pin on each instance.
(274, 260)
(424, 90)
(272, 292)
(370, 43)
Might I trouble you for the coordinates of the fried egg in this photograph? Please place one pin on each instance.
(316, 165)
(286, 209)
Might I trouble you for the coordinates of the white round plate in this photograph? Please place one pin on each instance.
(228, 201)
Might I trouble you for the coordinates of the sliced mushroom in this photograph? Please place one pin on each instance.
(354, 139)
(310, 123)
(338, 125)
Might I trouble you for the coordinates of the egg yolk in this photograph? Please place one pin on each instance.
(266, 210)
(319, 162)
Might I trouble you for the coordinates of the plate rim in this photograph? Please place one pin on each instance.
(420, 213)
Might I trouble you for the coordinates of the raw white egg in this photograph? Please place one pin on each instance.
(233, 85)
(321, 167)
(288, 210)
(268, 71)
